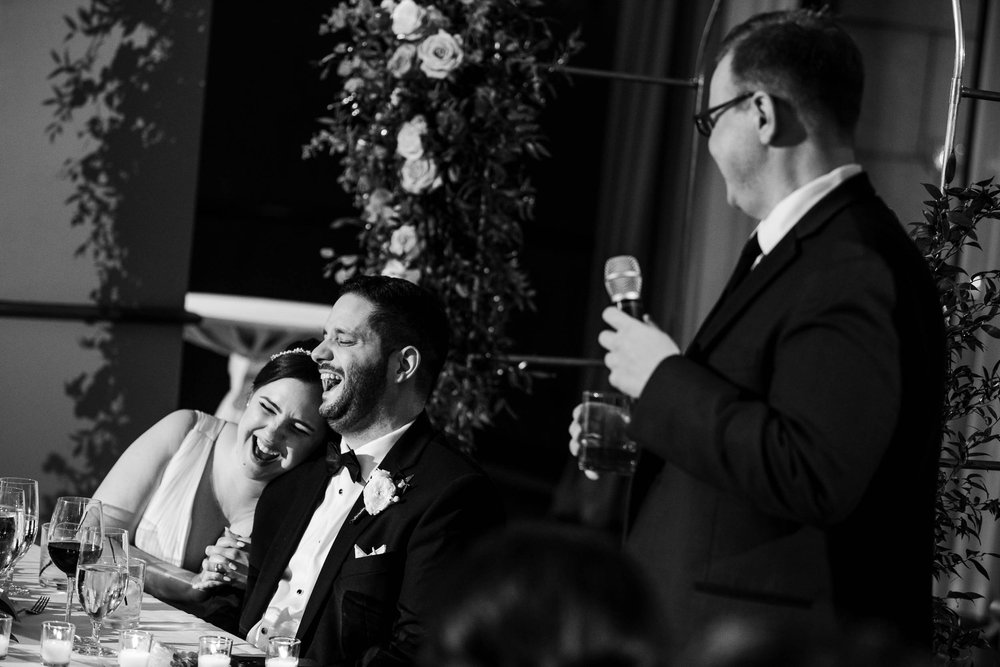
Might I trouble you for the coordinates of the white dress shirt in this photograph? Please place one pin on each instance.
(792, 208)
(284, 612)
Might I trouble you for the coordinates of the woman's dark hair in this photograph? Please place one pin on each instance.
(292, 362)
(547, 595)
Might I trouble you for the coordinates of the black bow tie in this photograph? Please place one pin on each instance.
(335, 460)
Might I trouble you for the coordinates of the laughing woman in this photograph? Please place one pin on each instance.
(192, 479)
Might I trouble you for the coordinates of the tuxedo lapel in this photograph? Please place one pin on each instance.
(400, 460)
(297, 513)
(774, 263)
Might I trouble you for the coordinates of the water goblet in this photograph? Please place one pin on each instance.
(101, 581)
(11, 527)
(30, 489)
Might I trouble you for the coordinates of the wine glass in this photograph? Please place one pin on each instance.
(30, 489)
(70, 516)
(101, 580)
(11, 527)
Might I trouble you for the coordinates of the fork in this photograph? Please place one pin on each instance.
(40, 604)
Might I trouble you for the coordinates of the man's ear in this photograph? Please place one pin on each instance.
(407, 362)
(765, 107)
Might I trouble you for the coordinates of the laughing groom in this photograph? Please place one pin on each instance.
(350, 556)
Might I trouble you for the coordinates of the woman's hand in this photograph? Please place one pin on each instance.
(226, 563)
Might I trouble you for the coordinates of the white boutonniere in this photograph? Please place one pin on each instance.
(382, 490)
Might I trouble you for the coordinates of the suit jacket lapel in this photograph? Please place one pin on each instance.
(403, 456)
(728, 308)
(297, 514)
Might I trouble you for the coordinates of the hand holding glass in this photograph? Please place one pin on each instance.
(604, 443)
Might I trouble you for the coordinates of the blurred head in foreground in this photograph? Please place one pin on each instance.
(550, 596)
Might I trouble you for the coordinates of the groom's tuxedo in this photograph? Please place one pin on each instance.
(789, 456)
(373, 610)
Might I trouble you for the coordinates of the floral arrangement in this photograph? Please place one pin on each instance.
(435, 115)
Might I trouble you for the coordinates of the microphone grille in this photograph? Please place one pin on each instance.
(622, 278)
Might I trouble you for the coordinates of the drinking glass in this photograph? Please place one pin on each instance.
(282, 652)
(101, 581)
(30, 489)
(48, 573)
(71, 515)
(604, 443)
(128, 612)
(11, 527)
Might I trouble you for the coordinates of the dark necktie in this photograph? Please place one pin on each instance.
(751, 251)
(335, 460)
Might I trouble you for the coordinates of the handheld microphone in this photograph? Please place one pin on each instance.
(623, 280)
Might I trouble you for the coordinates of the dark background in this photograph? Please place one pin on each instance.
(263, 213)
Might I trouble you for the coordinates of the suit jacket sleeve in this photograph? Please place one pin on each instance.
(802, 436)
(462, 513)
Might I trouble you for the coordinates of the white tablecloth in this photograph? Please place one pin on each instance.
(173, 630)
(248, 330)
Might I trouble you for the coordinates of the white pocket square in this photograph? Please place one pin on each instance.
(360, 553)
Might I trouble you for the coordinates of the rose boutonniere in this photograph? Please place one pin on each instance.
(381, 491)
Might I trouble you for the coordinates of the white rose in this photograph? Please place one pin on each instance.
(407, 17)
(380, 492)
(440, 54)
(396, 269)
(403, 240)
(388, 5)
(401, 62)
(409, 144)
(419, 175)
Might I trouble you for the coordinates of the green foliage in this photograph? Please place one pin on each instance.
(435, 115)
(970, 303)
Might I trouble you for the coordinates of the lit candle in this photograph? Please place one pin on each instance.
(133, 657)
(56, 651)
(281, 662)
(4, 643)
(213, 660)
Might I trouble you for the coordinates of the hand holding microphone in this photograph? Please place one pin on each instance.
(635, 348)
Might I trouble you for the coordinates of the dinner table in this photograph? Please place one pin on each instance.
(175, 632)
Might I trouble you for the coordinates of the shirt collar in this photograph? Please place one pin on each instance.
(792, 208)
(371, 453)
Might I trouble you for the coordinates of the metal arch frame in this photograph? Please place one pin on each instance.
(955, 94)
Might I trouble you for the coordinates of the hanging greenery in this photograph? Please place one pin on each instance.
(970, 304)
(434, 118)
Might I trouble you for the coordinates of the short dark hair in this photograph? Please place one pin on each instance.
(803, 56)
(406, 314)
(294, 362)
(541, 593)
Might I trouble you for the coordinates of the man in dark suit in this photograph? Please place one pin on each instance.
(352, 556)
(788, 456)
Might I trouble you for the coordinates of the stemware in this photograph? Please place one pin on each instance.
(71, 515)
(30, 489)
(11, 527)
(101, 581)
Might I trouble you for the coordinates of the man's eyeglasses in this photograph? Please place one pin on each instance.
(706, 120)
